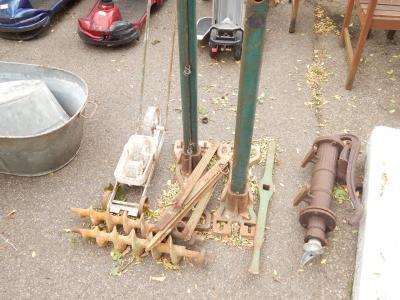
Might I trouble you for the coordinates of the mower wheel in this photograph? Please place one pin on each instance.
(211, 44)
(213, 54)
(237, 52)
(237, 49)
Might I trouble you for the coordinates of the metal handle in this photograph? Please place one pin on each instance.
(92, 113)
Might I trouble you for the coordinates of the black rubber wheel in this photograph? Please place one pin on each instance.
(23, 36)
(239, 36)
(237, 52)
(211, 44)
(212, 54)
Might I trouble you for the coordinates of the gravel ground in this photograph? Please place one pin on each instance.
(50, 263)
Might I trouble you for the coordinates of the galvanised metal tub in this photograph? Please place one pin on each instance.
(35, 155)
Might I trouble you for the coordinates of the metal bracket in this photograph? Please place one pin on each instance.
(184, 162)
(223, 221)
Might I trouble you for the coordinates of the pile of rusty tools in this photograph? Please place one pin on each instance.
(136, 233)
(334, 158)
(197, 187)
(200, 165)
(178, 222)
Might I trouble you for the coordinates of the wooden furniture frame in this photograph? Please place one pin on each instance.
(295, 10)
(373, 14)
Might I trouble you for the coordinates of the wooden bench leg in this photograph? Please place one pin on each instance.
(346, 20)
(295, 10)
(357, 57)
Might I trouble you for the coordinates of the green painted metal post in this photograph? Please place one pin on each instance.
(253, 44)
(186, 16)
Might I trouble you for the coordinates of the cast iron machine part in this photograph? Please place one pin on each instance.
(334, 158)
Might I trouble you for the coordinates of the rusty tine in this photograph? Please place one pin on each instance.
(127, 223)
(145, 227)
(155, 253)
(137, 244)
(175, 257)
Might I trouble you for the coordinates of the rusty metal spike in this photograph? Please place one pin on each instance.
(119, 243)
(155, 253)
(92, 234)
(89, 212)
(86, 233)
(175, 258)
(201, 258)
(109, 220)
(101, 239)
(83, 213)
(127, 223)
(144, 226)
(136, 244)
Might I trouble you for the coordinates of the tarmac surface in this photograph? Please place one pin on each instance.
(49, 263)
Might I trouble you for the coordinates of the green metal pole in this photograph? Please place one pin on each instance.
(186, 16)
(253, 44)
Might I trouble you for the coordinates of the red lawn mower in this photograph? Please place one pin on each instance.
(107, 25)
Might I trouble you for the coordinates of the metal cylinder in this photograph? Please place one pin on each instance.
(253, 44)
(324, 174)
(186, 17)
(318, 217)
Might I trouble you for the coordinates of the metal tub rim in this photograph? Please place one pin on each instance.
(78, 112)
(74, 125)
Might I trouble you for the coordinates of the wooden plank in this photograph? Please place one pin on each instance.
(383, 2)
(383, 12)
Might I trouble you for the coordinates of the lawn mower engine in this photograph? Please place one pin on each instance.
(115, 22)
(104, 26)
(223, 38)
(224, 30)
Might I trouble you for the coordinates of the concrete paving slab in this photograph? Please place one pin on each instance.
(50, 263)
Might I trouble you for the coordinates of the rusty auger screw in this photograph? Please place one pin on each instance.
(334, 159)
(111, 220)
(121, 242)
